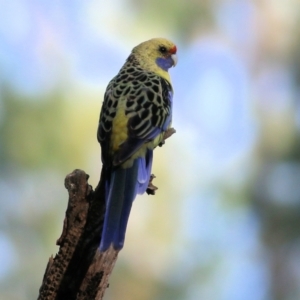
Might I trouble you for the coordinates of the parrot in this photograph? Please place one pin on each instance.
(135, 114)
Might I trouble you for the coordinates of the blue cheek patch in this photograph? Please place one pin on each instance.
(164, 63)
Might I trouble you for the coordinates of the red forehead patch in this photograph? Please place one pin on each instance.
(173, 50)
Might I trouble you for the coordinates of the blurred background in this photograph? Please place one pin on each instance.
(225, 223)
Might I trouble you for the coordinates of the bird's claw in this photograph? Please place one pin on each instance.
(151, 188)
(167, 134)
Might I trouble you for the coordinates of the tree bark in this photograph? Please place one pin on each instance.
(79, 270)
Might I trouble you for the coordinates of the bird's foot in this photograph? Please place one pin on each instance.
(151, 188)
(167, 134)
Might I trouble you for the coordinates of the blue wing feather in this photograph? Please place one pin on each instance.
(144, 171)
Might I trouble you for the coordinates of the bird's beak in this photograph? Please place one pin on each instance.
(175, 59)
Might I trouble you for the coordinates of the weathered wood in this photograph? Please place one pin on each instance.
(79, 270)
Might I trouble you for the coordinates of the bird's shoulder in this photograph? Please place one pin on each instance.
(135, 85)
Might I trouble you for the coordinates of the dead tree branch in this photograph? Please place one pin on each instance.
(79, 270)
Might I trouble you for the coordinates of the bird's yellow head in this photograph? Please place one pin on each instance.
(156, 55)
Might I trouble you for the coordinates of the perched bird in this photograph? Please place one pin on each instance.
(136, 112)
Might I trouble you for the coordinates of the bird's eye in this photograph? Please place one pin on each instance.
(162, 49)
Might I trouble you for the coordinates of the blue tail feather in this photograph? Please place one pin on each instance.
(129, 196)
(113, 209)
(121, 189)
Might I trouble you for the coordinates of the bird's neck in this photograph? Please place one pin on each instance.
(148, 65)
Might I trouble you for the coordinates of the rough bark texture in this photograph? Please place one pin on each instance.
(79, 270)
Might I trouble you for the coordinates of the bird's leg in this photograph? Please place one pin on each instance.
(151, 188)
(167, 134)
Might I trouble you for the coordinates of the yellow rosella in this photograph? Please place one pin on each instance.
(136, 113)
